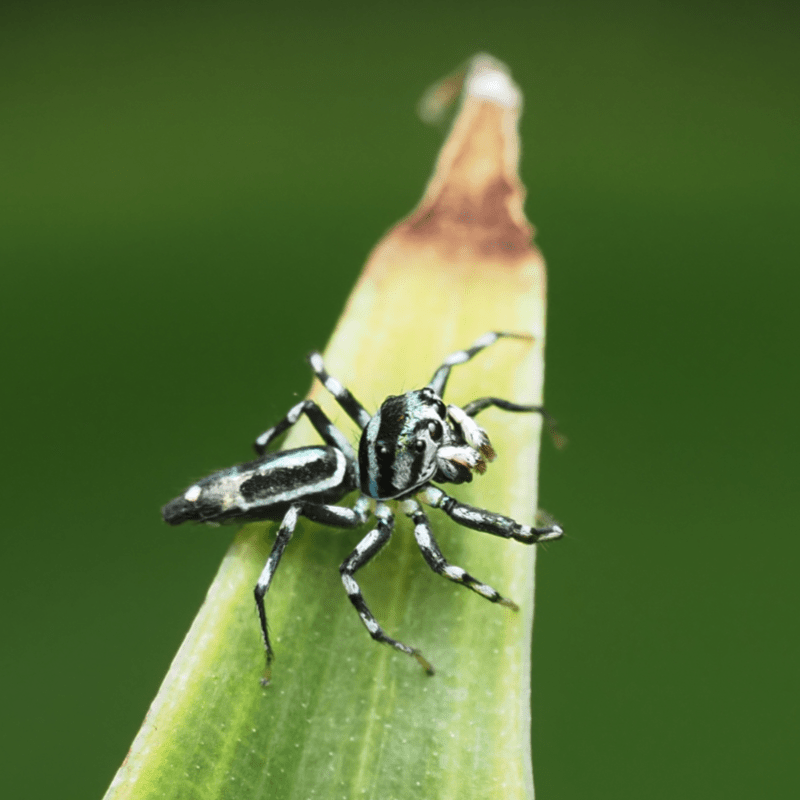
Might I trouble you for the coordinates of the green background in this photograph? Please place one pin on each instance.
(187, 194)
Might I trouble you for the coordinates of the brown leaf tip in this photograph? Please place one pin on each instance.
(474, 199)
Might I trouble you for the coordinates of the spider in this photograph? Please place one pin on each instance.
(413, 441)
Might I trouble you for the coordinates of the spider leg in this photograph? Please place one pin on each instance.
(437, 562)
(328, 515)
(281, 540)
(367, 548)
(337, 516)
(487, 521)
(325, 428)
(476, 406)
(473, 434)
(343, 396)
(439, 379)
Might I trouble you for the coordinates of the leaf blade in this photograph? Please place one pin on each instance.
(345, 716)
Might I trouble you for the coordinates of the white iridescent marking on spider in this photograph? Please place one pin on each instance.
(367, 542)
(334, 387)
(486, 340)
(462, 455)
(454, 573)
(432, 496)
(265, 437)
(423, 536)
(363, 506)
(472, 515)
(409, 506)
(350, 586)
(316, 362)
(372, 625)
(556, 533)
(296, 460)
(473, 433)
(192, 493)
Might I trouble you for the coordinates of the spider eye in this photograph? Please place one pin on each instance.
(419, 445)
(435, 430)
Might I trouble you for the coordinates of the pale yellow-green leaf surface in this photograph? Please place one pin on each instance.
(344, 716)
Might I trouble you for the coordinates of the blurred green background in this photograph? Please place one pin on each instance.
(187, 194)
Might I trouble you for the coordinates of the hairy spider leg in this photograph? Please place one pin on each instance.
(476, 406)
(439, 379)
(325, 428)
(487, 521)
(343, 396)
(265, 579)
(367, 548)
(437, 562)
(327, 515)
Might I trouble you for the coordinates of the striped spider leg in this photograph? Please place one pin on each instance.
(414, 439)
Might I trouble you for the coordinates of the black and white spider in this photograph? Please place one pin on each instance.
(413, 441)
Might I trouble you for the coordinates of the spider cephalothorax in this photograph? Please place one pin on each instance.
(411, 441)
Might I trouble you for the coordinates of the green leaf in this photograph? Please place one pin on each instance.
(344, 716)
